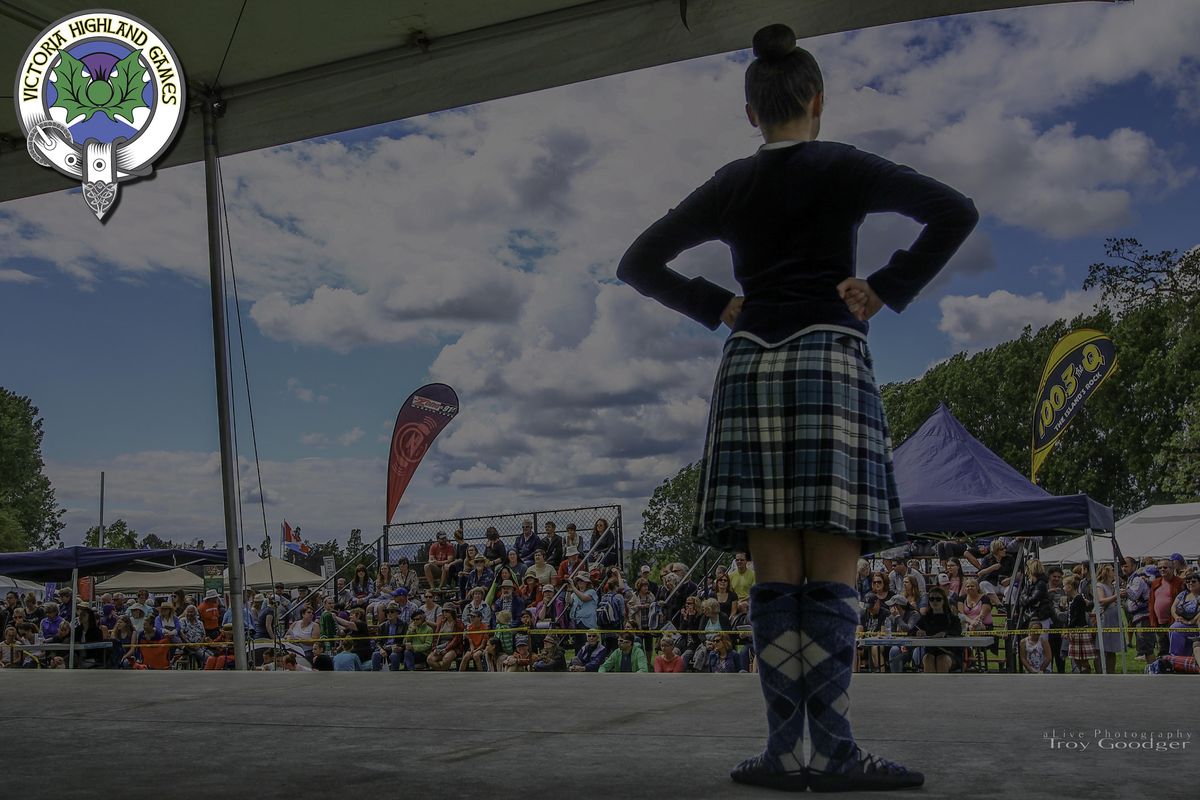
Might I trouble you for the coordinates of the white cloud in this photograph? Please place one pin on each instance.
(314, 439)
(977, 322)
(17, 276)
(350, 437)
(303, 393)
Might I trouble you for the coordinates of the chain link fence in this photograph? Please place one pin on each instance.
(412, 540)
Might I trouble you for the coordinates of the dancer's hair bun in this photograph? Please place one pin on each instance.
(774, 42)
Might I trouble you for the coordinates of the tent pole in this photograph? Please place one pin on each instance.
(74, 612)
(1096, 602)
(212, 107)
(1120, 611)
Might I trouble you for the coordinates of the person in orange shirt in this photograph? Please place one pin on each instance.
(211, 613)
(477, 639)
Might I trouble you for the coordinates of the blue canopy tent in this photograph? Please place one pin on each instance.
(69, 563)
(950, 483)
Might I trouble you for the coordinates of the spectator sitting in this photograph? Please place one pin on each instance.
(572, 563)
(321, 661)
(938, 622)
(477, 606)
(628, 657)
(524, 545)
(913, 592)
(468, 567)
(480, 576)
(52, 624)
(551, 658)
(504, 632)
(590, 656)
(713, 622)
(493, 654)
(362, 588)
(494, 549)
(540, 568)
(150, 656)
(388, 643)
(573, 539)
(430, 606)
(476, 641)
(346, 659)
(441, 555)
(521, 659)
(515, 567)
(722, 657)
(553, 545)
(1035, 658)
(420, 642)
(530, 589)
(1186, 611)
(668, 660)
(741, 578)
(870, 623)
(603, 546)
(900, 622)
(406, 577)
(689, 621)
(507, 600)
(448, 641)
(211, 610)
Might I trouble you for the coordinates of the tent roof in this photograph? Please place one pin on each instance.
(8, 584)
(264, 574)
(1154, 531)
(950, 482)
(294, 70)
(57, 565)
(166, 580)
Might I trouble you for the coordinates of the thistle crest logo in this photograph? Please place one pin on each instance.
(100, 96)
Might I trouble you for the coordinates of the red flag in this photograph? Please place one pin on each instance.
(424, 414)
(292, 540)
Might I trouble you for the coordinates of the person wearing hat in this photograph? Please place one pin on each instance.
(573, 539)
(388, 642)
(583, 601)
(571, 564)
(420, 642)
(628, 657)
(550, 658)
(508, 600)
(870, 623)
(211, 610)
(645, 572)
(476, 605)
(462, 561)
(494, 549)
(404, 609)
(521, 659)
(530, 589)
(441, 554)
(481, 575)
(901, 619)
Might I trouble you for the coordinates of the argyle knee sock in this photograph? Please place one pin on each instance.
(774, 618)
(828, 620)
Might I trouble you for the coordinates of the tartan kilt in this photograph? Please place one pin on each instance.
(1082, 645)
(797, 440)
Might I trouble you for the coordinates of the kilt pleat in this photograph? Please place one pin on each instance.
(797, 440)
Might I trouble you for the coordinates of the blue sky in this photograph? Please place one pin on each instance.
(477, 247)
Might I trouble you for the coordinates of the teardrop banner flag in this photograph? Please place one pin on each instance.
(424, 415)
(1077, 365)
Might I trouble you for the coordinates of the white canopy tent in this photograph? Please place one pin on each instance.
(1154, 531)
(271, 72)
(19, 586)
(167, 580)
(264, 575)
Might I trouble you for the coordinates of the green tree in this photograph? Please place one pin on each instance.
(1131, 444)
(670, 518)
(25, 491)
(118, 536)
(12, 535)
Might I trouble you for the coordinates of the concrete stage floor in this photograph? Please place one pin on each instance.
(257, 735)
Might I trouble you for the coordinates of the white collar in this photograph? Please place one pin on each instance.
(782, 144)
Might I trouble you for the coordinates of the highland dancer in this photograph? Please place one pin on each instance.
(797, 464)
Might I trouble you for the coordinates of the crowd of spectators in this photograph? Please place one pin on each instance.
(1041, 619)
(550, 603)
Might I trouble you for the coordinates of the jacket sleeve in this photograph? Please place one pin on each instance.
(948, 217)
(644, 266)
(639, 661)
(598, 661)
(609, 664)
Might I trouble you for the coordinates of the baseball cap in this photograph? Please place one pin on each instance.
(401, 592)
(441, 534)
(943, 577)
(522, 640)
(645, 570)
(572, 551)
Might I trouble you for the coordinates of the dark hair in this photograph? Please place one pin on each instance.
(783, 78)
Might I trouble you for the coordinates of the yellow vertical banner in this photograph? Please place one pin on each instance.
(1079, 363)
